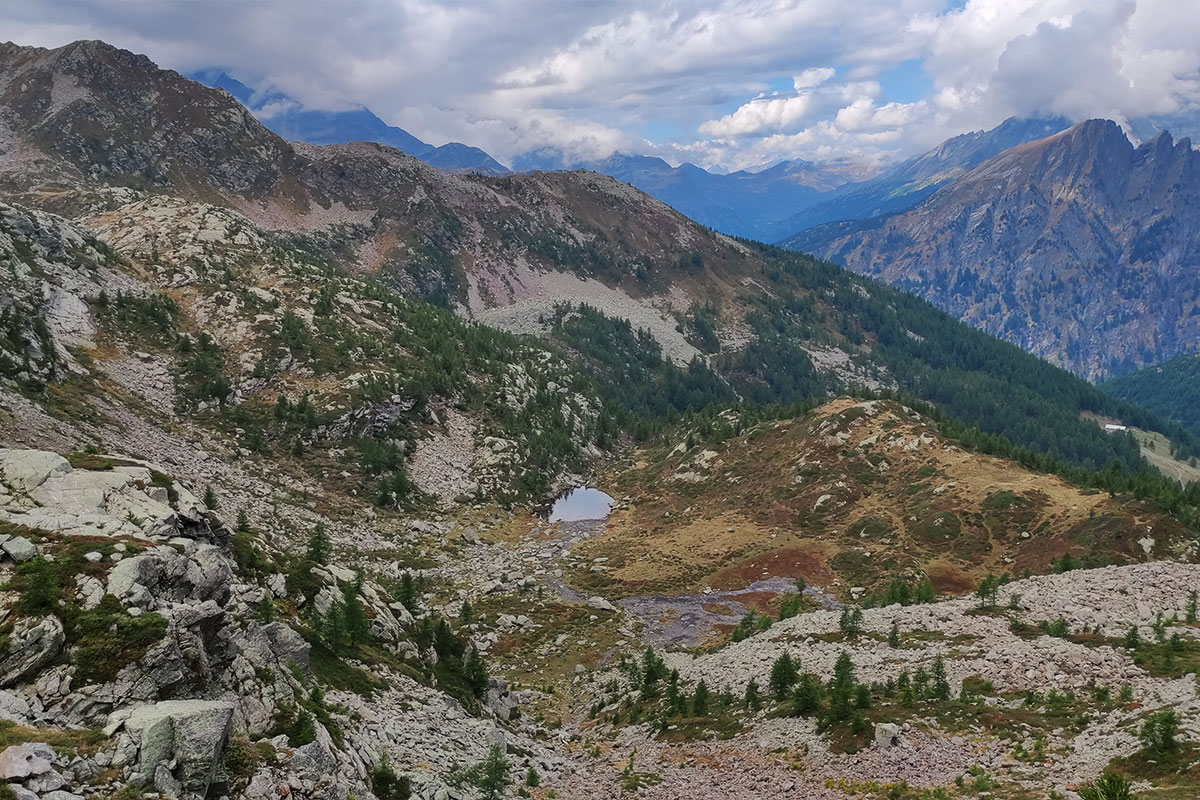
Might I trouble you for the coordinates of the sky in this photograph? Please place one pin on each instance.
(725, 84)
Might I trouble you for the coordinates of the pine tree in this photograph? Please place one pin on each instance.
(243, 523)
(751, 699)
(925, 593)
(466, 614)
(806, 699)
(940, 685)
(319, 546)
(851, 621)
(476, 674)
(333, 628)
(898, 592)
(675, 702)
(894, 635)
(1190, 613)
(783, 676)
(445, 643)
(358, 626)
(841, 688)
(1132, 638)
(407, 593)
(210, 498)
(1159, 731)
(700, 700)
(653, 670)
(987, 590)
(491, 775)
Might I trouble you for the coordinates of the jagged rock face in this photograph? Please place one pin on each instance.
(49, 268)
(1079, 247)
(34, 644)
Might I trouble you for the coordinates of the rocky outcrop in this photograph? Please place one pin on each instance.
(126, 498)
(32, 645)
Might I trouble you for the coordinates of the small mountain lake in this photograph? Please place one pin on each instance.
(581, 503)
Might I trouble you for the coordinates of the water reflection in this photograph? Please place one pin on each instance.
(580, 504)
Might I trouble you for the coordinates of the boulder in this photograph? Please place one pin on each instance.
(600, 604)
(60, 795)
(187, 737)
(49, 781)
(887, 734)
(20, 549)
(25, 470)
(164, 576)
(13, 708)
(33, 644)
(22, 761)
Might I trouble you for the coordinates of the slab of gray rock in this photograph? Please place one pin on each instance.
(20, 549)
(13, 708)
(25, 470)
(33, 644)
(22, 761)
(188, 737)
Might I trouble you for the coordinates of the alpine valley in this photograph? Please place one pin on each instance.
(293, 434)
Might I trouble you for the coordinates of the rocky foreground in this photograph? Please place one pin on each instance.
(148, 645)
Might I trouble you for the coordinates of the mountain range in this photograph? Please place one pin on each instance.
(293, 121)
(1080, 247)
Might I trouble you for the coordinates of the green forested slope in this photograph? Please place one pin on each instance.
(1170, 390)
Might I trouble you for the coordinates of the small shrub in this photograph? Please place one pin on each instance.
(1159, 731)
(1109, 786)
(387, 785)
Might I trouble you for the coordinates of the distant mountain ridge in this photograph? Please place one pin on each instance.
(909, 182)
(1079, 247)
(742, 203)
(291, 120)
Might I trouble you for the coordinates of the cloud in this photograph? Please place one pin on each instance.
(515, 75)
(763, 114)
(812, 77)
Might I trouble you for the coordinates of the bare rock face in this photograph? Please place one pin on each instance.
(1078, 247)
(33, 645)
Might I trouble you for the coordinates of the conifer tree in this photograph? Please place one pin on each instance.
(939, 684)
(319, 546)
(925, 593)
(751, 699)
(407, 593)
(783, 676)
(700, 700)
(806, 699)
(841, 688)
(358, 626)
